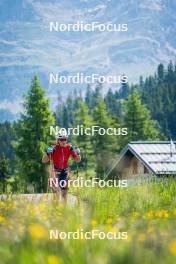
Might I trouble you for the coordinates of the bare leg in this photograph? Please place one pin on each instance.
(64, 195)
(56, 194)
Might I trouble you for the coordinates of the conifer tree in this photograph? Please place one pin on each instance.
(4, 173)
(138, 121)
(104, 145)
(83, 141)
(33, 136)
(89, 96)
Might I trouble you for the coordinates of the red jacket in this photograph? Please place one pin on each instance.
(61, 155)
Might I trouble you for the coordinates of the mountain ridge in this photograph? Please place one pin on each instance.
(28, 48)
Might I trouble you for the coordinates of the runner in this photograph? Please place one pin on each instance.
(59, 155)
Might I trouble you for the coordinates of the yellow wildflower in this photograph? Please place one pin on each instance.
(2, 218)
(162, 213)
(2, 204)
(129, 238)
(37, 231)
(149, 215)
(112, 230)
(172, 247)
(41, 207)
(93, 222)
(165, 213)
(109, 221)
(53, 260)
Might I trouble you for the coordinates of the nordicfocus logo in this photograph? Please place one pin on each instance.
(87, 235)
(80, 130)
(81, 78)
(80, 26)
(91, 183)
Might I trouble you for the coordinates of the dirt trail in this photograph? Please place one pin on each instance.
(36, 197)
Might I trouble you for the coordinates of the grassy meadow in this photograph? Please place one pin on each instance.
(147, 212)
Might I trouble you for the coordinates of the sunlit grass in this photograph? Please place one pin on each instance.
(146, 212)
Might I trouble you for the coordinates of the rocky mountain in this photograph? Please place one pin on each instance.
(27, 46)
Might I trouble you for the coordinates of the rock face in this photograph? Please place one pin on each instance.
(27, 46)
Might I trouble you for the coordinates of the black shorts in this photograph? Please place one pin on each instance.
(63, 178)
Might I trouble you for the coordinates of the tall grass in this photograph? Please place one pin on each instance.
(147, 212)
